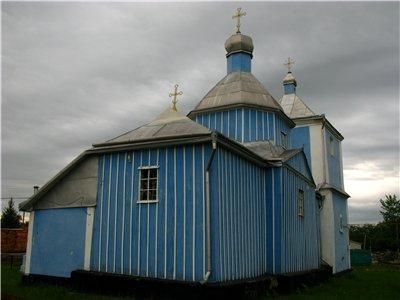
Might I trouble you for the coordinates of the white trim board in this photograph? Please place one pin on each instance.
(29, 244)
(88, 237)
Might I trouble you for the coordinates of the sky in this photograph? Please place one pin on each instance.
(74, 74)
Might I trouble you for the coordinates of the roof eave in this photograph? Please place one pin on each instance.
(242, 150)
(327, 186)
(151, 140)
(325, 122)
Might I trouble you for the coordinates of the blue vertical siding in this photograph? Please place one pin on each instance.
(282, 126)
(334, 160)
(270, 215)
(255, 228)
(246, 125)
(342, 254)
(164, 239)
(301, 139)
(238, 226)
(239, 62)
(299, 163)
(58, 241)
(300, 235)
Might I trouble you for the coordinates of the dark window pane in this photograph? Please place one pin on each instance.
(144, 173)
(152, 195)
(153, 173)
(153, 184)
(144, 184)
(143, 195)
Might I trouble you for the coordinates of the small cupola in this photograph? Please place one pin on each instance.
(289, 82)
(239, 48)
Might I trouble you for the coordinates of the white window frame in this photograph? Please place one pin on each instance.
(300, 203)
(148, 185)
(284, 139)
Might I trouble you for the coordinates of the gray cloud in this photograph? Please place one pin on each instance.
(79, 73)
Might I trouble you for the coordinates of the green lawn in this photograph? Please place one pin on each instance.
(13, 289)
(375, 282)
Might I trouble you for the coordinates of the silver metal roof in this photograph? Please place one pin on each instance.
(239, 42)
(268, 151)
(294, 107)
(289, 78)
(238, 88)
(169, 124)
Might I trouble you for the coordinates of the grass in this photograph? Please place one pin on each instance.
(12, 288)
(374, 282)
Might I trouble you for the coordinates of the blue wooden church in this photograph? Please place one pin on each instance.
(242, 187)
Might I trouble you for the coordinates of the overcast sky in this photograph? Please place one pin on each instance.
(78, 73)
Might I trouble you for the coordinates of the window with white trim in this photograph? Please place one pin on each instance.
(300, 200)
(148, 184)
(284, 139)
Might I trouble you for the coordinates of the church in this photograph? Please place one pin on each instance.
(242, 187)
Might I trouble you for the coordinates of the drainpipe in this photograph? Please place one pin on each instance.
(207, 212)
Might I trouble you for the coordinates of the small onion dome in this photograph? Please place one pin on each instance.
(289, 78)
(239, 43)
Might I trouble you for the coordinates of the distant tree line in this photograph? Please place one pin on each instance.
(384, 235)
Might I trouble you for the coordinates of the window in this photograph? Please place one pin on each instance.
(284, 140)
(148, 182)
(341, 223)
(331, 146)
(301, 203)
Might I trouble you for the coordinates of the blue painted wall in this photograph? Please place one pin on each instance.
(238, 218)
(239, 62)
(273, 179)
(300, 237)
(246, 125)
(300, 164)
(301, 138)
(164, 239)
(58, 241)
(341, 237)
(334, 160)
(289, 88)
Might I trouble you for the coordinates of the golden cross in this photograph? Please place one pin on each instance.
(237, 16)
(174, 94)
(289, 64)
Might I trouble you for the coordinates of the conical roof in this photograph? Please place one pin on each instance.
(169, 124)
(237, 88)
(294, 107)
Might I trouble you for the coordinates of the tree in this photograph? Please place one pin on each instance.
(391, 212)
(10, 217)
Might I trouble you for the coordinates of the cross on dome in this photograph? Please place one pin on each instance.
(237, 16)
(289, 64)
(175, 94)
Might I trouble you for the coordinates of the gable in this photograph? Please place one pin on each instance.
(299, 163)
(74, 186)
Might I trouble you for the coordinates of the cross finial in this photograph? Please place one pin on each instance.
(237, 16)
(289, 64)
(175, 94)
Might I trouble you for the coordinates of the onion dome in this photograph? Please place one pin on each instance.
(239, 43)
